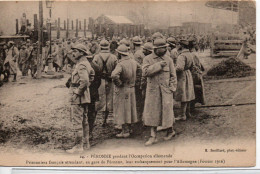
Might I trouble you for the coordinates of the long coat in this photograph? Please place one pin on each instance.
(198, 80)
(11, 58)
(81, 78)
(105, 63)
(23, 57)
(161, 83)
(174, 55)
(58, 55)
(185, 88)
(139, 56)
(124, 76)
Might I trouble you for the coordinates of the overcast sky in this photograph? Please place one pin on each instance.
(164, 13)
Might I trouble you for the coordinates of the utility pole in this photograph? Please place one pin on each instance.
(67, 29)
(77, 27)
(58, 29)
(17, 26)
(85, 27)
(40, 35)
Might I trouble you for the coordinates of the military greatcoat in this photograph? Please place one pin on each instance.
(161, 83)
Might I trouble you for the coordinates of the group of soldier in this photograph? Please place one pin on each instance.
(142, 80)
(12, 58)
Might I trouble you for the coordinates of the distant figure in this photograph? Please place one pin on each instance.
(12, 54)
(23, 24)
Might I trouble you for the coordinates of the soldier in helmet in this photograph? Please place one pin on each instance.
(2, 59)
(174, 52)
(127, 44)
(23, 59)
(185, 88)
(147, 50)
(81, 78)
(94, 96)
(161, 83)
(113, 45)
(106, 63)
(33, 60)
(12, 55)
(138, 57)
(124, 76)
(23, 24)
(156, 36)
(45, 55)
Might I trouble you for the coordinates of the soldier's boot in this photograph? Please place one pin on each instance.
(91, 121)
(183, 112)
(106, 113)
(170, 134)
(6, 76)
(125, 132)
(85, 138)
(192, 106)
(188, 110)
(153, 139)
(14, 80)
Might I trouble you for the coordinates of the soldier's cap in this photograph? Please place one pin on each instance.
(122, 49)
(23, 43)
(157, 35)
(90, 56)
(171, 41)
(184, 42)
(81, 39)
(148, 46)
(81, 47)
(125, 42)
(104, 44)
(159, 43)
(137, 40)
(34, 44)
(28, 40)
(10, 42)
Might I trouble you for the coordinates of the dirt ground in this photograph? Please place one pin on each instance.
(34, 115)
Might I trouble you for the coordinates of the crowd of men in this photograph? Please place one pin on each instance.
(142, 79)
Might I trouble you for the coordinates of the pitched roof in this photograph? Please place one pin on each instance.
(119, 19)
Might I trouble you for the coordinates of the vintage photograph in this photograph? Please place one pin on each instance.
(128, 83)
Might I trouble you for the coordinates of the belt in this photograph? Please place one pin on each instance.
(74, 85)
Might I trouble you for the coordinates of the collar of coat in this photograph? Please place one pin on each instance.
(83, 58)
(123, 59)
(185, 50)
(154, 56)
(104, 51)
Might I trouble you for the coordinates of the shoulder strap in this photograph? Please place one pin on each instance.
(104, 63)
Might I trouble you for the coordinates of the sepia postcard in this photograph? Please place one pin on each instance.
(128, 83)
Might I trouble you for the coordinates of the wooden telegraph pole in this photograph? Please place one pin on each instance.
(58, 31)
(77, 28)
(40, 40)
(17, 26)
(85, 27)
(67, 31)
